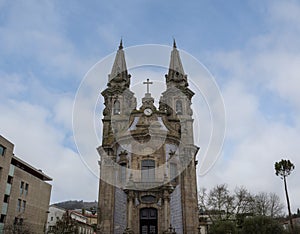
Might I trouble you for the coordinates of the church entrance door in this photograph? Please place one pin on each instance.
(148, 221)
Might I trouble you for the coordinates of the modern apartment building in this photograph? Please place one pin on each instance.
(24, 193)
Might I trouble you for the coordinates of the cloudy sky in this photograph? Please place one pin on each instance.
(250, 47)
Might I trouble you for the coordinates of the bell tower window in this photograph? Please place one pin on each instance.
(117, 109)
(179, 107)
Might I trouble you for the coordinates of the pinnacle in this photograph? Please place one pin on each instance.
(175, 62)
(119, 65)
(121, 44)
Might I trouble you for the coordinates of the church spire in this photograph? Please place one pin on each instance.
(176, 73)
(121, 44)
(174, 43)
(119, 71)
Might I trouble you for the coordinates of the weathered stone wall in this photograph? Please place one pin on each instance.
(176, 210)
(120, 213)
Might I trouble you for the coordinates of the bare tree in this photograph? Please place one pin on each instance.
(261, 204)
(233, 212)
(276, 207)
(220, 204)
(220, 201)
(243, 201)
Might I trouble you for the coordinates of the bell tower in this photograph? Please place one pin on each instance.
(119, 101)
(147, 157)
(176, 100)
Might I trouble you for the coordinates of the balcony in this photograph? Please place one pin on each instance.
(143, 185)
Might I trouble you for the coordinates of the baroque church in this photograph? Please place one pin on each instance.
(147, 157)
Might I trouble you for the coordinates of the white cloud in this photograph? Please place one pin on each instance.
(285, 13)
(40, 143)
(34, 32)
(280, 73)
(63, 111)
(268, 64)
(38, 119)
(11, 84)
(38, 113)
(242, 110)
(252, 162)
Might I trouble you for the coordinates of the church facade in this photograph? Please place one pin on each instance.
(147, 157)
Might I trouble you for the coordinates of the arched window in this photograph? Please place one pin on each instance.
(179, 107)
(148, 170)
(117, 109)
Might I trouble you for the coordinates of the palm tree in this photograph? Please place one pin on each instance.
(284, 169)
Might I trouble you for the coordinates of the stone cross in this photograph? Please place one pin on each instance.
(148, 83)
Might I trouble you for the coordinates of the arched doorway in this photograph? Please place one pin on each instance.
(148, 221)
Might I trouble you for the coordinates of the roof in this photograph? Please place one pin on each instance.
(57, 207)
(30, 169)
(90, 215)
(175, 61)
(119, 65)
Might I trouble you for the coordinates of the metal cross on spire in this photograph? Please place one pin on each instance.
(148, 83)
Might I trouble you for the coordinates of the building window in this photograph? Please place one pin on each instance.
(2, 150)
(9, 179)
(23, 206)
(148, 170)
(179, 107)
(117, 108)
(6, 198)
(123, 173)
(2, 218)
(18, 221)
(26, 189)
(51, 219)
(19, 205)
(21, 188)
